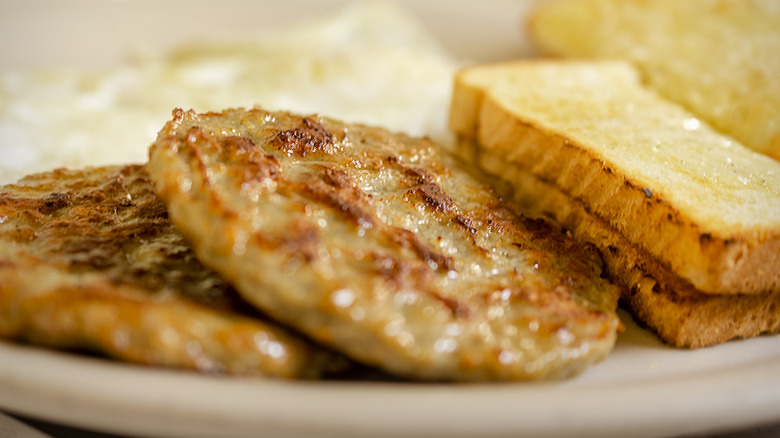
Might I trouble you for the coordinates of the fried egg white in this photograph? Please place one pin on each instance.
(370, 63)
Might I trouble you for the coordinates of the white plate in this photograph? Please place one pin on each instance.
(642, 389)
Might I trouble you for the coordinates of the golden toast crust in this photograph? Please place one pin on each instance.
(658, 299)
(719, 260)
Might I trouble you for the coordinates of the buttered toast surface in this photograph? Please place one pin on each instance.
(678, 313)
(697, 200)
(716, 58)
(686, 218)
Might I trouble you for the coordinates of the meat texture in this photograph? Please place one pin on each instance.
(382, 246)
(90, 261)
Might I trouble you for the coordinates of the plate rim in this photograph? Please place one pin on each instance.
(49, 385)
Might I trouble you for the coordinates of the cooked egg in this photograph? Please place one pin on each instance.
(371, 63)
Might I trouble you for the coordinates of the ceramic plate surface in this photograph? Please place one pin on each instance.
(642, 389)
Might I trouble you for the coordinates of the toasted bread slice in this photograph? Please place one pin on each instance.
(382, 246)
(686, 218)
(703, 205)
(89, 260)
(660, 300)
(719, 59)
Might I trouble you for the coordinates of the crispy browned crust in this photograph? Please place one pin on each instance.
(741, 262)
(90, 260)
(381, 246)
(670, 306)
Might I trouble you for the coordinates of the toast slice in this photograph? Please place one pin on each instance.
(719, 59)
(682, 214)
(679, 314)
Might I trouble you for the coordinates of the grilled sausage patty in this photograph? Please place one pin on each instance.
(90, 260)
(382, 246)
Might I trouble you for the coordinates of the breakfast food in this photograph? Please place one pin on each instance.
(382, 246)
(90, 261)
(686, 218)
(371, 62)
(378, 244)
(717, 58)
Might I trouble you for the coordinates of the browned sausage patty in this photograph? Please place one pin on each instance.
(90, 260)
(382, 246)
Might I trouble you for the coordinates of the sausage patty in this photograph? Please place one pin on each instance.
(89, 260)
(382, 246)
